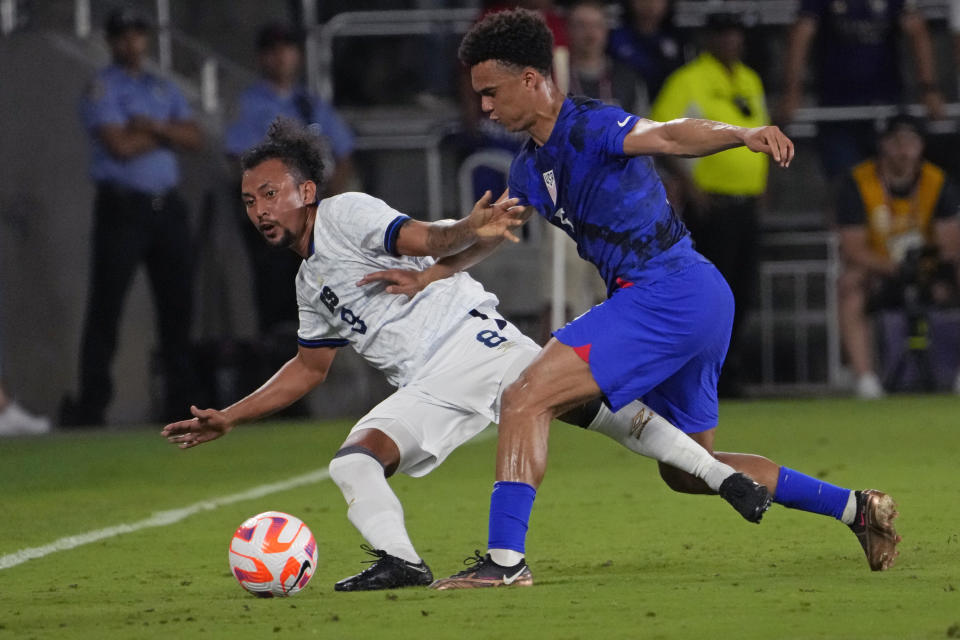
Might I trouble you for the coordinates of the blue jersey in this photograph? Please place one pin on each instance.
(613, 206)
(113, 98)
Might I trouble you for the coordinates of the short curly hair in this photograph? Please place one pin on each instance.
(518, 37)
(296, 146)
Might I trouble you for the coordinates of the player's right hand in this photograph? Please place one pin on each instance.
(206, 425)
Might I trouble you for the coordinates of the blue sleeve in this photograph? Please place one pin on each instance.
(179, 107)
(334, 129)
(100, 105)
(515, 183)
(608, 127)
(244, 131)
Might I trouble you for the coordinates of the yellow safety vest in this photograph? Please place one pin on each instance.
(897, 224)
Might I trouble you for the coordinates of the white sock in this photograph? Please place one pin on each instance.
(643, 431)
(505, 557)
(850, 511)
(372, 506)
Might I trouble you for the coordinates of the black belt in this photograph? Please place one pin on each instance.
(157, 200)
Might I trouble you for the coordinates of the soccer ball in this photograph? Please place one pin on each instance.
(273, 554)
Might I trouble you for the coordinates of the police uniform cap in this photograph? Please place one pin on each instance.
(121, 20)
(276, 33)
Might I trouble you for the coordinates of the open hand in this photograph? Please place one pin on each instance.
(495, 220)
(771, 141)
(206, 425)
(402, 281)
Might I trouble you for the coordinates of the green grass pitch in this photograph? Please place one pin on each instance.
(614, 553)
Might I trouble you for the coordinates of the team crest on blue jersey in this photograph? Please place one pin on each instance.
(551, 183)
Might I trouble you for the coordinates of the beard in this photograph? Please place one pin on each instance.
(280, 239)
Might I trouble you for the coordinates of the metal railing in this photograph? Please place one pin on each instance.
(171, 42)
(408, 22)
(694, 13)
(799, 315)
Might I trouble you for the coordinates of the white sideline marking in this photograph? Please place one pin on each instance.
(158, 519)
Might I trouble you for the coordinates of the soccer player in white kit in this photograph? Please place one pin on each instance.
(446, 349)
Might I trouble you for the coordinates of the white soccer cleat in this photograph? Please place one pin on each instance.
(15, 421)
(869, 388)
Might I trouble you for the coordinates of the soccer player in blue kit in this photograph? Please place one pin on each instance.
(663, 332)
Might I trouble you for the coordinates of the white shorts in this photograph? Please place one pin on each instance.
(457, 394)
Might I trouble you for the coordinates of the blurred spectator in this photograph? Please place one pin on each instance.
(16, 421)
(955, 30)
(280, 93)
(592, 72)
(718, 86)
(135, 120)
(647, 42)
(893, 210)
(857, 63)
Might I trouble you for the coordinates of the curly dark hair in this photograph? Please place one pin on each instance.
(518, 37)
(292, 143)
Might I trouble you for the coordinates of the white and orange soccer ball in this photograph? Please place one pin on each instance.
(273, 554)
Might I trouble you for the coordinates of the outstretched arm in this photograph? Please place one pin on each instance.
(692, 137)
(410, 283)
(487, 221)
(298, 376)
(915, 26)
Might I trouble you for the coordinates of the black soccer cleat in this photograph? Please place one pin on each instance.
(749, 498)
(484, 572)
(386, 572)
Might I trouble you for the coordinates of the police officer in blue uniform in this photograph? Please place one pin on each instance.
(136, 121)
(279, 92)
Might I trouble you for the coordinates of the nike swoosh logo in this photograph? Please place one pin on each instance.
(416, 568)
(623, 122)
(512, 578)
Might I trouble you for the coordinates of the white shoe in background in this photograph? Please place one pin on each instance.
(869, 388)
(15, 421)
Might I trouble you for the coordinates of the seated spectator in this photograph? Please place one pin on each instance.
(647, 43)
(857, 62)
(894, 212)
(592, 72)
(280, 92)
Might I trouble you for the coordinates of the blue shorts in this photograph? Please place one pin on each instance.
(663, 343)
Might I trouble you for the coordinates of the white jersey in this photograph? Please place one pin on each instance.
(355, 234)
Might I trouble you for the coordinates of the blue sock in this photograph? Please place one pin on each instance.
(510, 506)
(796, 490)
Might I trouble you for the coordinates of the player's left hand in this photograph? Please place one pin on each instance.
(401, 281)
(497, 219)
(771, 141)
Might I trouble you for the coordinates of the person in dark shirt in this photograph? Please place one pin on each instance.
(857, 62)
(647, 42)
(593, 72)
